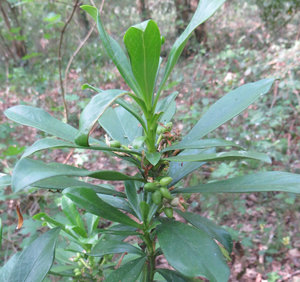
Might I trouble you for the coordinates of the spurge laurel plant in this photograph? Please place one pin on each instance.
(140, 133)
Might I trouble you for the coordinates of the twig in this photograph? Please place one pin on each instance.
(68, 156)
(275, 93)
(79, 47)
(60, 59)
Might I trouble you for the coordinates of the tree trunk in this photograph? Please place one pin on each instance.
(184, 12)
(10, 15)
(143, 8)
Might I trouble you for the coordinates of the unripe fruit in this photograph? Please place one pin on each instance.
(156, 197)
(165, 181)
(162, 40)
(150, 187)
(165, 193)
(168, 212)
(115, 144)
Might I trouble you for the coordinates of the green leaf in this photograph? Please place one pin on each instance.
(120, 125)
(104, 247)
(153, 158)
(41, 120)
(51, 143)
(5, 180)
(35, 261)
(119, 203)
(258, 182)
(62, 182)
(228, 107)
(132, 196)
(45, 218)
(129, 108)
(233, 155)
(70, 211)
(87, 199)
(143, 45)
(27, 172)
(7, 268)
(114, 51)
(88, 86)
(145, 209)
(128, 272)
(1, 232)
(173, 276)
(179, 170)
(201, 144)
(168, 107)
(205, 10)
(208, 226)
(191, 251)
(92, 112)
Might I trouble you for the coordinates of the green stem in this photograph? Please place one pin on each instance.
(151, 258)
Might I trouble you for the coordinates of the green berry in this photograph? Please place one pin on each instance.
(156, 197)
(160, 130)
(115, 144)
(165, 181)
(168, 212)
(150, 187)
(165, 193)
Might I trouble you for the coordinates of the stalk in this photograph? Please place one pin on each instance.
(151, 258)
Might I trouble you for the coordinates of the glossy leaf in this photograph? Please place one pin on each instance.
(258, 182)
(51, 143)
(1, 232)
(70, 211)
(6, 269)
(62, 182)
(208, 226)
(130, 109)
(201, 144)
(172, 276)
(87, 199)
(41, 120)
(5, 180)
(120, 125)
(153, 158)
(51, 222)
(132, 196)
(233, 155)
(143, 45)
(35, 261)
(205, 10)
(27, 172)
(119, 203)
(168, 107)
(179, 170)
(228, 107)
(128, 272)
(92, 112)
(104, 247)
(114, 51)
(191, 251)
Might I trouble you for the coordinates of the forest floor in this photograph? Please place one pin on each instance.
(266, 226)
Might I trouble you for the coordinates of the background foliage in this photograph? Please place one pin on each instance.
(245, 40)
